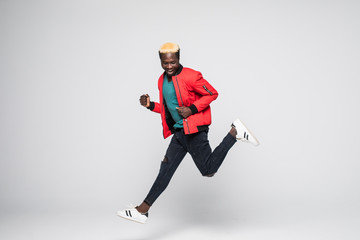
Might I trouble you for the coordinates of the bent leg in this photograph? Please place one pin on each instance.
(207, 161)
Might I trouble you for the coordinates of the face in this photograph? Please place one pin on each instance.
(170, 63)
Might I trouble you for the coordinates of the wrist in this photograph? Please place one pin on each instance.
(151, 106)
(193, 109)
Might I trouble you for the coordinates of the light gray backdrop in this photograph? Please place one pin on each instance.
(73, 137)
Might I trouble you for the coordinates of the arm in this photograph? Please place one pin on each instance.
(208, 93)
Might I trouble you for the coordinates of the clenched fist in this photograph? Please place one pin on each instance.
(185, 112)
(145, 100)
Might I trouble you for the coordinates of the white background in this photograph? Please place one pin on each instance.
(76, 146)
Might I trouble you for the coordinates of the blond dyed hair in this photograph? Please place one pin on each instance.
(170, 47)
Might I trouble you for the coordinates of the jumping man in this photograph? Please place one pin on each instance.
(184, 106)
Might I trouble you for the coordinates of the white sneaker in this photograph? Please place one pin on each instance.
(243, 134)
(133, 215)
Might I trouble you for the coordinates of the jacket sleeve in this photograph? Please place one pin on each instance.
(155, 107)
(202, 87)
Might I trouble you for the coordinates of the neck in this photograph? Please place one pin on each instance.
(169, 78)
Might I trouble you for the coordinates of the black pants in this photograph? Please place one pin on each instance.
(207, 161)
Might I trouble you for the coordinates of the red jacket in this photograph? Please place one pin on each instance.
(193, 91)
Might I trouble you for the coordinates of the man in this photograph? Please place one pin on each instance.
(185, 98)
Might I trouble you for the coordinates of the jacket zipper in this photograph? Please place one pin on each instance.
(206, 89)
(177, 83)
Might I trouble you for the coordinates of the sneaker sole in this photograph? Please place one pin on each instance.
(130, 219)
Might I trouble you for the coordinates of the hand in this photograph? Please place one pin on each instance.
(185, 112)
(145, 100)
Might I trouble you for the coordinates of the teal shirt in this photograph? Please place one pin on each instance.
(171, 102)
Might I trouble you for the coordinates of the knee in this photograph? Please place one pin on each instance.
(209, 175)
(165, 160)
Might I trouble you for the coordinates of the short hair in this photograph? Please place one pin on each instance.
(170, 48)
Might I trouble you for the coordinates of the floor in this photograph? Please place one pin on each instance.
(108, 226)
